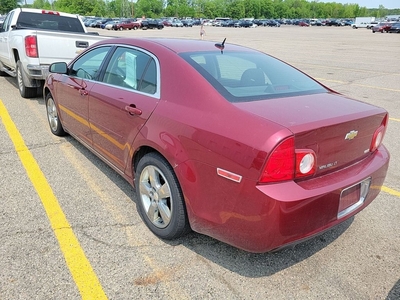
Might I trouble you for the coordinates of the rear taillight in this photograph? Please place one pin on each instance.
(378, 135)
(287, 163)
(31, 46)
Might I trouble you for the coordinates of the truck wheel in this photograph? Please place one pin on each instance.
(26, 92)
(134, 28)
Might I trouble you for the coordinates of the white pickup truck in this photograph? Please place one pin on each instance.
(32, 39)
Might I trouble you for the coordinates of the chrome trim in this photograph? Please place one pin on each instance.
(364, 189)
(351, 135)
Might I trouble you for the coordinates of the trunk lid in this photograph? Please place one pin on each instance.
(338, 129)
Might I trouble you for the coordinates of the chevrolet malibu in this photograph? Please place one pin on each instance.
(221, 139)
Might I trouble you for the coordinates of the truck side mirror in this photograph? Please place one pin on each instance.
(58, 67)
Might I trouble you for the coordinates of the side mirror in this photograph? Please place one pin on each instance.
(58, 67)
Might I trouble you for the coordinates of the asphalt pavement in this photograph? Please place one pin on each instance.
(359, 259)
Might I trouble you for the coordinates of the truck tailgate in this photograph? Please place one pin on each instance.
(60, 46)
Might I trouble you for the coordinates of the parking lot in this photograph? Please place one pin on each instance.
(359, 259)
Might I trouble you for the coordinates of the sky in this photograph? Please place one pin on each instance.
(363, 3)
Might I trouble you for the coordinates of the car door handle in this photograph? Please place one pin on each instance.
(133, 110)
(83, 92)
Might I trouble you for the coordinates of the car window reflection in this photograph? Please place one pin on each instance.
(88, 65)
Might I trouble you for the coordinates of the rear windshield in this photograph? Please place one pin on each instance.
(245, 76)
(49, 22)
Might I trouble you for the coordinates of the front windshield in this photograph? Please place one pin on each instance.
(248, 76)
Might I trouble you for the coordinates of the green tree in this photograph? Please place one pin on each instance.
(149, 8)
(236, 9)
(42, 4)
(7, 5)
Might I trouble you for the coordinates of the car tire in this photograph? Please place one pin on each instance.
(25, 92)
(134, 28)
(160, 201)
(52, 116)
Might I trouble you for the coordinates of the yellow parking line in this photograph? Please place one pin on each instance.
(393, 119)
(79, 266)
(390, 191)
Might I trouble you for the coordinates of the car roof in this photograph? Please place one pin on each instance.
(176, 45)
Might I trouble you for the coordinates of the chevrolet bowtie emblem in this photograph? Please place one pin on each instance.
(351, 135)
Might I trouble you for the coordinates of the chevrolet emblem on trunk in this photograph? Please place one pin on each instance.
(351, 135)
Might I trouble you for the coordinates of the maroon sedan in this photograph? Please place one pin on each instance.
(381, 27)
(221, 139)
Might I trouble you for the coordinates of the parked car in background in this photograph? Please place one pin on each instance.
(187, 23)
(152, 24)
(272, 23)
(112, 22)
(303, 24)
(167, 23)
(127, 25)
(244, 24)
(110, 25)
(395, 28)
(334, 22)
(381, 27)
(176, 23)
(102, 22)
(347, 22)
(221, 139)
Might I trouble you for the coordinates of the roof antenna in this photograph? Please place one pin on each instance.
(221, 46)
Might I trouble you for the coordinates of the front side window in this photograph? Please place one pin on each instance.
(132, 69)
(245, 76)
(88, 65)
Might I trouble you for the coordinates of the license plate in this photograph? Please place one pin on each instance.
(353, 197)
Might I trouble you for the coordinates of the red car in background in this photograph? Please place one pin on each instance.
(303, 24)
(221, 139)
(381, 27)
(127, 24)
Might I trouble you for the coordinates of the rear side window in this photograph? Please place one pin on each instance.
(49, 21)
(132, 69)
(245, 76)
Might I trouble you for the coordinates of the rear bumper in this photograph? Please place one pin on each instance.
(38, 72)
(266, 217)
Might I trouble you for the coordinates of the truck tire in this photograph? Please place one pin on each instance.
(26, 92)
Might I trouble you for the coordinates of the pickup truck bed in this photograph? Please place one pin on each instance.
(30, 40)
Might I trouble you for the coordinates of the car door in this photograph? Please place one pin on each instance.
(4, 40)
(73, 92)
(120, 106)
